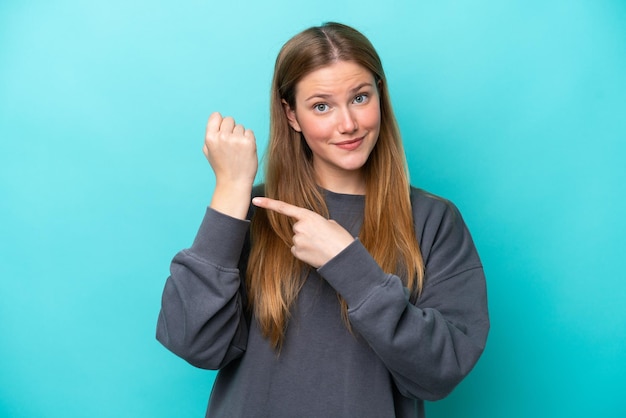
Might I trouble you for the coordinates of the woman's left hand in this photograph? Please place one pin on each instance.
(316, 239)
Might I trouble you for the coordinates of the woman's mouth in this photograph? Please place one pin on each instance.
(350, 145)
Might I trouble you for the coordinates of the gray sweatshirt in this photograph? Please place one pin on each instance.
(398, 354)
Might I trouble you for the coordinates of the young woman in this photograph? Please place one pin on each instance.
(341, 291)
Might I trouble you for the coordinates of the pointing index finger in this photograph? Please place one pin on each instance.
(280, 207)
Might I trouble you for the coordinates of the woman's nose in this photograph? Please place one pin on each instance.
(347, 122)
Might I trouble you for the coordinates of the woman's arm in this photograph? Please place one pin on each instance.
(202, 315)
(430, 346)
(202, 318)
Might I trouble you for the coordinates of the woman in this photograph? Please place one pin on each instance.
(341, 291)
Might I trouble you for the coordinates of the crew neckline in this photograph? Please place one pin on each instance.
(343, 201)
(331, 193)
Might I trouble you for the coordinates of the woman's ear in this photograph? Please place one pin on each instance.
(291, 116)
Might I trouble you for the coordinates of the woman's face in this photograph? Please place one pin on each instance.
(337, 110)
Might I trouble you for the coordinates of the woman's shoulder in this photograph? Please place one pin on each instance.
(433, 211)
(440, 227)
(423, 200)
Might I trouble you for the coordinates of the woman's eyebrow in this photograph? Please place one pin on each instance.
(360, 86)
(327, 96)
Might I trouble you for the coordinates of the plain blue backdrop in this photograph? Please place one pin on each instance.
(515, 110)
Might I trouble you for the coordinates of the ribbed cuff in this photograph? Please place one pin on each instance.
(354, 274)
(220, 238)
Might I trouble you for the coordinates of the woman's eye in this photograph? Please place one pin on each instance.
(361, 98)
(321, 107)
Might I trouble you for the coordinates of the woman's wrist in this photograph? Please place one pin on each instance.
(232, 198)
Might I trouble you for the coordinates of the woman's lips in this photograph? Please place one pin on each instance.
(350, 145)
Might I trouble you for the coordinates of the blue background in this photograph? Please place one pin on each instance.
(514, 110)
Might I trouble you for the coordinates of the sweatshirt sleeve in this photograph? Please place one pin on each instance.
(431, 345)
(202, 316)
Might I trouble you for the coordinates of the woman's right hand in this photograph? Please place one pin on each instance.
(231, 151)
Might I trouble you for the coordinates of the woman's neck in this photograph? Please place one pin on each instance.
(343, 184)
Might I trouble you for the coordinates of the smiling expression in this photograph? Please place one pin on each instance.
(337, 110)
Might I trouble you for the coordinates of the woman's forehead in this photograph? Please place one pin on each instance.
(338, 77)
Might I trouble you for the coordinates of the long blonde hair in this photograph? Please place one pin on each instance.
(274, 275)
